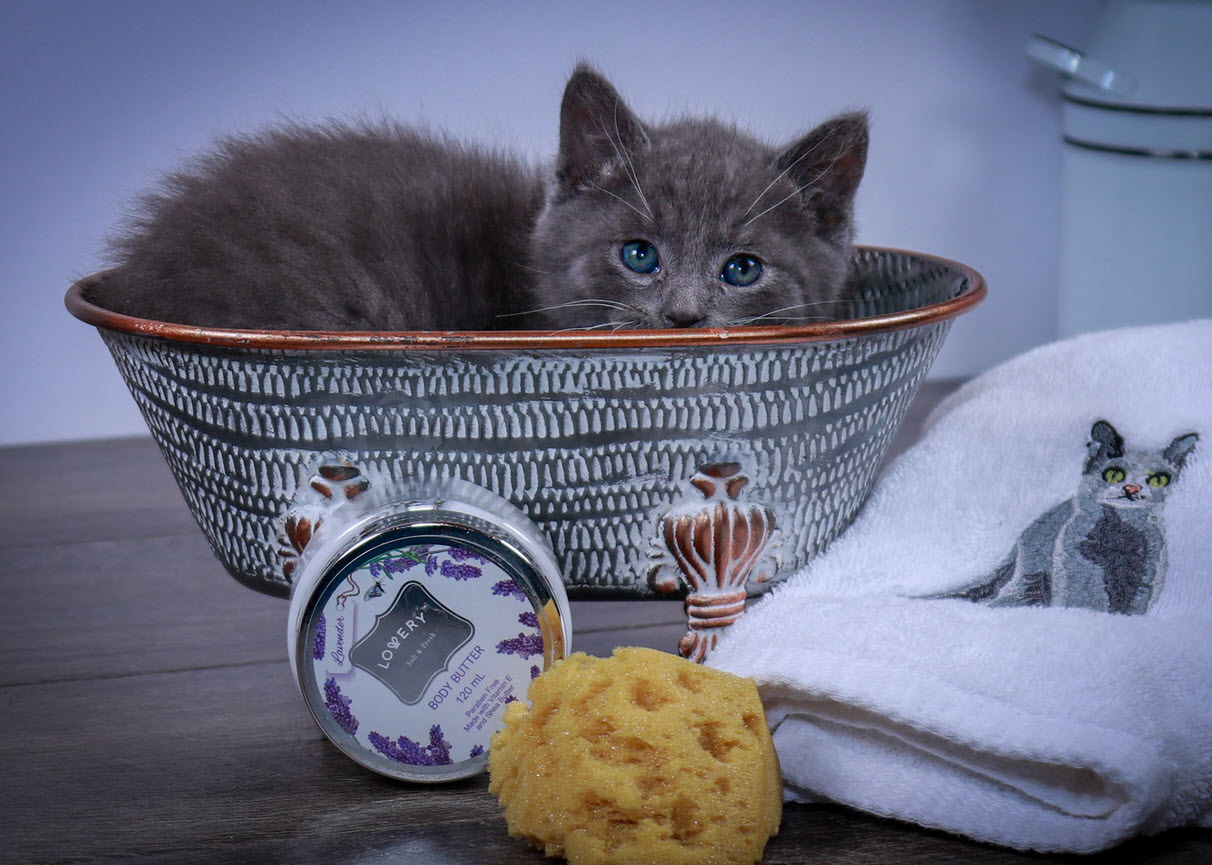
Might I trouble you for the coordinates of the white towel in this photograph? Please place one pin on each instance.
(1036, 718)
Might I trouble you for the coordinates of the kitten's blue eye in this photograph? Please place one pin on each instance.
(640, 256)
(741, 270)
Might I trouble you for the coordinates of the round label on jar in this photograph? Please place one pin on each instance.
(414, 643)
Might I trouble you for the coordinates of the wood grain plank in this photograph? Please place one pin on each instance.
(106, 489)
(114, 608)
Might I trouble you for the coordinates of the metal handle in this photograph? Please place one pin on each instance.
(1073, 63)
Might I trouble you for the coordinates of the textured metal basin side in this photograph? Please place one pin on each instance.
(597, 444)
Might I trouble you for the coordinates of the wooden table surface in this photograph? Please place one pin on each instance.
(149, 715)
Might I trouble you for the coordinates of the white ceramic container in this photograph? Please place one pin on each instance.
(1137, 198)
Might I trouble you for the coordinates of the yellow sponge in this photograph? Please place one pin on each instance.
(642, 757)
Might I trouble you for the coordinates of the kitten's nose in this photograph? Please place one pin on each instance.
(1132, 489)
(684, 317)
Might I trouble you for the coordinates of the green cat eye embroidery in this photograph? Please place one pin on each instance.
(1159, 479)
(640, 256)
(1113, 474)
(741, 270)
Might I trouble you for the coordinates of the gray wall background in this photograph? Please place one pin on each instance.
(97, 99)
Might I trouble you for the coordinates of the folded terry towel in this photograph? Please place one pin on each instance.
(1014, 639)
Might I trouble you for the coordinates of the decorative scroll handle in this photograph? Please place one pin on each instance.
(712, 547)
(333, 482)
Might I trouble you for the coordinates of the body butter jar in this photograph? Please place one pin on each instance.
(416, 617)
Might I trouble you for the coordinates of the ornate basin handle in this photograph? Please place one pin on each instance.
(335, 480)
(712, 547)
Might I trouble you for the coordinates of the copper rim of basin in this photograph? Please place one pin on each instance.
(934, 313)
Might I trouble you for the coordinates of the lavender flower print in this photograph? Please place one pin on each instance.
(408, 558)
(318, 645)
(405, 750)
(460, 572)
(338, 706)
(509, 589)
(523, 645)
(439, 748)
(461, 555)
(390, 565)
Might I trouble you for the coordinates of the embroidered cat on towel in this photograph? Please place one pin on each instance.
(1104, 548)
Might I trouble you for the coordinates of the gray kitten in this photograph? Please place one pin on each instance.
(1104, 548)
(382, 227)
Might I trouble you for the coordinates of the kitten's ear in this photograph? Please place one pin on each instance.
(596, 126)
(1178, 450)
(1105, 443)
(827, 164)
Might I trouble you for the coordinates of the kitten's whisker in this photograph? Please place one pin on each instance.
(779, 203)
(628, 167)
(624, 200)
(532, 269)
(783, 174)
(602, 326)
(774, 312)
(597, 302)
(628, 164)
(782, 318)
(602, 302)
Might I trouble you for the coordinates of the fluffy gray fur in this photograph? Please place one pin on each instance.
(383, 227)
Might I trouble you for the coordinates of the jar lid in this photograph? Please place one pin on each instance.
(1142, 56)
(416, 617)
